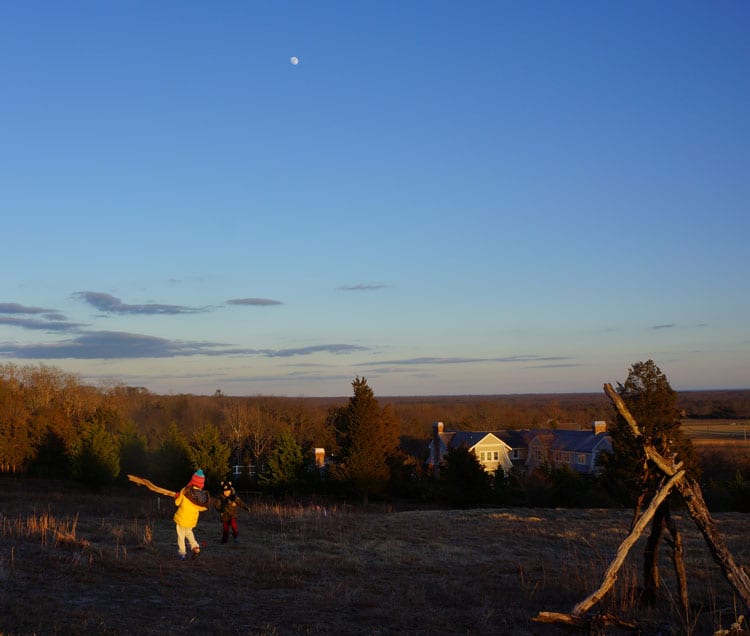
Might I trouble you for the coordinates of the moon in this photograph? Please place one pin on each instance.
(294, 60)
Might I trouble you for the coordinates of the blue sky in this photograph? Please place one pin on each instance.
(442, 197)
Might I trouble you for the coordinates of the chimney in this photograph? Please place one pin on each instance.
(320, 457)
(599, 427)
(437, 430)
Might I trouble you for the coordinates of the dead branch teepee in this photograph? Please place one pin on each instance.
(673, 477)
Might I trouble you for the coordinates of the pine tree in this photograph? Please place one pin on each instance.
(653, 403)
(96, 456)
(463, 480)
(367, 436)
(285, 464)
(211, 454)
(173, 460)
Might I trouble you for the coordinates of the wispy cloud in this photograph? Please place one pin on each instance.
(113, 345)
(665, 326)
(362, 287)
(15, 308)
(113, 305)
(563, 365)
(40, 325)
(457, 360)
(35, 318)
(336, 349)
(108, 345)
(254, 302)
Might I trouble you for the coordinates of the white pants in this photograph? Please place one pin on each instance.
(182, 534)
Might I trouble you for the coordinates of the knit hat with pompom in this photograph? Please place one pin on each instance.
(198, 479)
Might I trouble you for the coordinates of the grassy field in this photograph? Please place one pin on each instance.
(711, 432)
(73, 562)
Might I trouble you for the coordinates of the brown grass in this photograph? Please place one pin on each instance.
(79, 563)
(718, 431)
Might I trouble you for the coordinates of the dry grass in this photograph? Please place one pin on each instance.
(77, 563)
(718, 431)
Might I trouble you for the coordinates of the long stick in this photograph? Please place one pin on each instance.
(141, 481)
(737, 577)
(610, 575)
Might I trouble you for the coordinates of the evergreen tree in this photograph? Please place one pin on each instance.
(211, 454)
(463, 480)
(173, 460)
(367, 436)
(134, 455)
(285, 465)
(653, 403)
(96, 456)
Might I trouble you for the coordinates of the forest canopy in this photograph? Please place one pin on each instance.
(54, 425)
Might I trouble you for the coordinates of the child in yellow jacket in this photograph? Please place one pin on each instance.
(190, 502)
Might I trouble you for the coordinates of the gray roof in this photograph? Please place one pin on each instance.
(575, 441)
(514, 438)
(572, 441)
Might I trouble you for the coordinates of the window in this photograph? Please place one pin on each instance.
(582, 458)
(497, 456)
(514, 454)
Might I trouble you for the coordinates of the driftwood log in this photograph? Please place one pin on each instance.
(673, 478)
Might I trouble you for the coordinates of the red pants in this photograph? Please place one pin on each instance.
(225, 525)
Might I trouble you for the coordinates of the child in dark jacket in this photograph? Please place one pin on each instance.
(227, 504)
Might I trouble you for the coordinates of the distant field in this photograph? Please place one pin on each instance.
(716, 432)
(79, 563)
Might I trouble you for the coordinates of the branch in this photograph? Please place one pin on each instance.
(693, 497)
(584, 622)
(141, 481)
(610, 576)
(651, 453)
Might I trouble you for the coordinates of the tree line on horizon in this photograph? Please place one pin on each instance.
(54, 426)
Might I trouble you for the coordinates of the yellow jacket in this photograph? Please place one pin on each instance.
(187, 510)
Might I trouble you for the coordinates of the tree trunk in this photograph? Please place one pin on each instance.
(638, 507)
(651, 580)
(679, 564)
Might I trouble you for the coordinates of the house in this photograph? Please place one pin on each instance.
(524, 450)
(578, 450)
(489, 449)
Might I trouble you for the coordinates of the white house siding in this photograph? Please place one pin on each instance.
(493, 452)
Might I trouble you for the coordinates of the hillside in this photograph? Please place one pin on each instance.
(73, 562)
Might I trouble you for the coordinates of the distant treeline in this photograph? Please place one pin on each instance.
(53, 425)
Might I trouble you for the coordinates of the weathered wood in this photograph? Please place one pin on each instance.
(667, 467)
(141, 481)
(692, 495)
(679, 565)
(610, 575)
(584, 622)
(737, 577)
(651, 578)
(688, 488)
